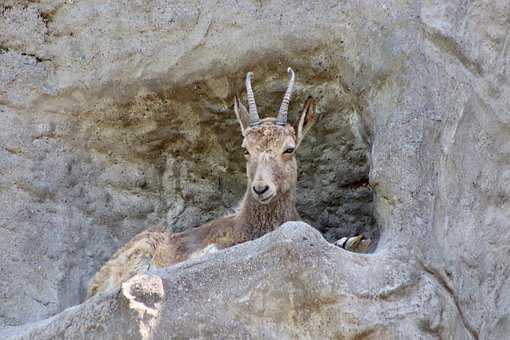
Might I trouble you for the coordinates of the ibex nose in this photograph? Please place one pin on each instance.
(260, 188)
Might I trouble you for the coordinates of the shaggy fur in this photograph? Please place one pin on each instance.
(269, 163)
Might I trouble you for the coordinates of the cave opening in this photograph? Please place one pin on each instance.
(184, 145)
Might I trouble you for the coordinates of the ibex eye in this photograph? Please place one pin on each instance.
(289, 150)
(245, 151)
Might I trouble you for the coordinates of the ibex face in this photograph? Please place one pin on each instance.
(270, 144)
(271, 162)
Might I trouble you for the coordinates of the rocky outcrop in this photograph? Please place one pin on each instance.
(118, 115)
(289, 284)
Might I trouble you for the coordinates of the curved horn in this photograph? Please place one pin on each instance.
(284, 108)
(254, 116)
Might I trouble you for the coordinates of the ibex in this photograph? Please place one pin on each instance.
(269, 146)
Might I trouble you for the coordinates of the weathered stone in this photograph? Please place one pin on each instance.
(285, 285)
(117, 115)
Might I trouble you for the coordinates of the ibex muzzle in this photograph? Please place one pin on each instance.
(264, 186)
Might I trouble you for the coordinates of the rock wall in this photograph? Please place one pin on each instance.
(118, 115)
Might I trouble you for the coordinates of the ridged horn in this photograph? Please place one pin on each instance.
(284, 108)
(252, 107)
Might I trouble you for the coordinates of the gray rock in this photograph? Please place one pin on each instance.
(285, 285)
(118, 116)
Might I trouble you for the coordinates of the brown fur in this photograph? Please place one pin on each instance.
(267, 164)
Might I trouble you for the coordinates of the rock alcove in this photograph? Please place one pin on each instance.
(178, 152)
(182, 148)
(172, 155)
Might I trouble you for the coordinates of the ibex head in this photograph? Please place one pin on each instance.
(269, 144)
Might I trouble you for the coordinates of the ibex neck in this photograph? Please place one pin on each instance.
(259, 219)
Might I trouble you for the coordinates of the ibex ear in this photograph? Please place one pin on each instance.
(306, 120)
(243, 117)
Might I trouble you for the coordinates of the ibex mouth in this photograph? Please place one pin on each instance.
(264, 200)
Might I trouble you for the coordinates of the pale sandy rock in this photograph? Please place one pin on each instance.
(285, 285)
(117, 115)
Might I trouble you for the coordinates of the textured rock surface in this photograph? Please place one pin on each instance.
(117, 115)
(285, 285)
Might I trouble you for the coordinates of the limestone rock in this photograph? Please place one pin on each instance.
(117, 115)
(285, 285)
